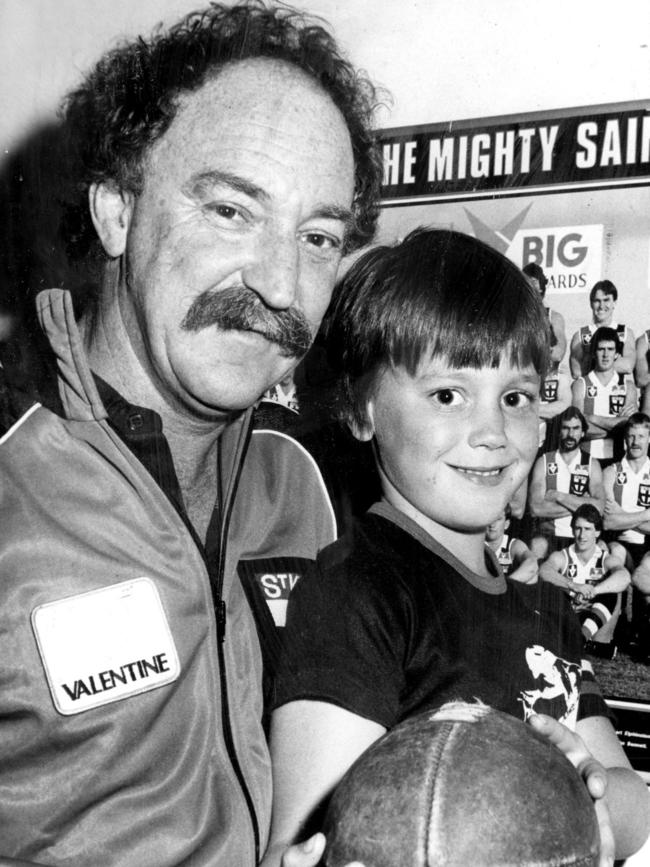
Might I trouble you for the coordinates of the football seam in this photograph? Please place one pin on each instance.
(432, 812)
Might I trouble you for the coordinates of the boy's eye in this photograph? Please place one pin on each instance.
(446, 397)
(518, 399)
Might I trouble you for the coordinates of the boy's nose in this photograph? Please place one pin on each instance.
(489, 430)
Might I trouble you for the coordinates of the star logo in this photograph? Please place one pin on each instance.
(501, 238)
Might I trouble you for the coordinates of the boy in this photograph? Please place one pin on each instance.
(441, 344)
(592, 573)
(514, 556)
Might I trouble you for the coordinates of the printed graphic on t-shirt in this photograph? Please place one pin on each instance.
(579, 481)
(556, 689)
(617, 400)
(643, 499)
(549, 390)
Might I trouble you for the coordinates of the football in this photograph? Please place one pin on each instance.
(466, 786)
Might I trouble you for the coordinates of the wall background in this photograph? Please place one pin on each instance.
(440, 59)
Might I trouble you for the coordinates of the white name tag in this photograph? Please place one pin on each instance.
(105, 645)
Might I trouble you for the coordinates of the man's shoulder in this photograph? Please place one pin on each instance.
(283, 495)
(28, 376)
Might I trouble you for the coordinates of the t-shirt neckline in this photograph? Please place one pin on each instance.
(495, 583)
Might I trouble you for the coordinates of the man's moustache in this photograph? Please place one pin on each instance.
(240, 309)
(569, 442)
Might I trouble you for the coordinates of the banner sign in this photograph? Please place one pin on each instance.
(570, 256)
(517, 154)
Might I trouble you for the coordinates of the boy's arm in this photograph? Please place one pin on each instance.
(313, 743)
(621, 797)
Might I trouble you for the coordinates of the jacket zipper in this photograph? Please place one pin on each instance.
(220, 613)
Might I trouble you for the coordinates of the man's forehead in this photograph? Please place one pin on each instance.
(264, 112)
(274, 87)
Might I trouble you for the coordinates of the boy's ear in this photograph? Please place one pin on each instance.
(111, 209)
(363, 431)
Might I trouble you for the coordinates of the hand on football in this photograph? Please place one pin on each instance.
(591, 771)
(308, 854)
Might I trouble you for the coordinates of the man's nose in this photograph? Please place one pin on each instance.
(273, 270)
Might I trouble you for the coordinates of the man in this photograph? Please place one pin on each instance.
(561, 481)
(605, 396)
(627, 514)
(602, 299)
(627, 488)
(555, 393)
(539, 281)
(554, 397)
(642, 371)
(228, 164)
(593, 574)
(513, 555)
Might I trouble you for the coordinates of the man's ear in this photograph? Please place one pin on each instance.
(111, 209)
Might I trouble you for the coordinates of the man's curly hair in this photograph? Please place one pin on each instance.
(131, 97)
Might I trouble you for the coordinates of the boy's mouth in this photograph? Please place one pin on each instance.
(481, 475)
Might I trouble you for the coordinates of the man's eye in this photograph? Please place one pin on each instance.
(322, 242)
(226, 212)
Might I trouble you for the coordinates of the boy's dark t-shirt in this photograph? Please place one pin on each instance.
(391, 623)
